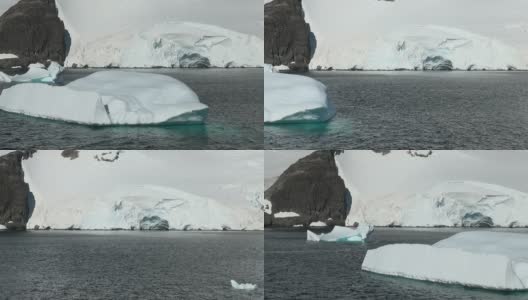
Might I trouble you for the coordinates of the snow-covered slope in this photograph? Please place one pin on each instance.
(492, 260)
(170, 44)
(109, 98)
(125, 189)
(405, 33)
(438, 188)
(183, 34)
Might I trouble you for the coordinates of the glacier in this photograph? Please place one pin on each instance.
(407, 33)
(295, 99)
(109, 98)
(170, 44)
(342, 234)
(436, 188)
(242, 286)
(490, 260)
(147, 190)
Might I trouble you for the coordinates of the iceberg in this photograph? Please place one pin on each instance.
(7, 56)
(295, 99)
(318, 224)
(242, 286)
(342, 234)
(170, 44)
(490, 260)
(109, 98)
(286, 214)
(2, 227)
(36, 73)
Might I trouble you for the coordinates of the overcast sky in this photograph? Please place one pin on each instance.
(93, 18)
(107, 16)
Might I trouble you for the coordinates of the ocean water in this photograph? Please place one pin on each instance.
(415, 110)
(130, 265)
(234, 97)
(295, 269)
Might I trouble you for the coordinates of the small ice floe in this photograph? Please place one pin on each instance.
(36, 73)
(2, 227)
(7, 56)
(295, 99)
(490, 260)
(242, 286)
(318, 224)
(341, 234)
(286, 214)
(109, 98)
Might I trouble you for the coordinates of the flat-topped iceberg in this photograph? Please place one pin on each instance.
(295, 99)
(109, 98)
(491, 260)
(36, 73)
(342, 234)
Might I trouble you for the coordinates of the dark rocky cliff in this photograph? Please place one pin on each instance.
(312, 188)
(287, 37)
(32, 30)
(16, 200)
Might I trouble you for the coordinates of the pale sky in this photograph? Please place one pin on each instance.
(93, 18)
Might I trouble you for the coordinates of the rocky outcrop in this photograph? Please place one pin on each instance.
(312, 188)
(287, 37)
(32, 30)
(16, 200)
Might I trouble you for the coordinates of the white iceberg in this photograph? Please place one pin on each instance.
(342, 234)
(7, 56)
(2, 227)
(170, 44)
(109, 98)
(242, 286)
(36, 73)
(295, 99)
(491, 260)
(318, 224)
(285, 214)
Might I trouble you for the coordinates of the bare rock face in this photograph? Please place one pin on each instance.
(312, 188)
(288, 38)
(32, 30)
(16, 200)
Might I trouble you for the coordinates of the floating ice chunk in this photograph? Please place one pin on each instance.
(286, 214)
(318, 224)
(7, 56)
(242, 286)
(109, 98)
(492, 260)
(38, 73)
(2, 227)
(295, 99)
(342, 234)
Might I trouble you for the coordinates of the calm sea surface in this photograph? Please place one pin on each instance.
(415, 110)
(130, 265)
(296, 269)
